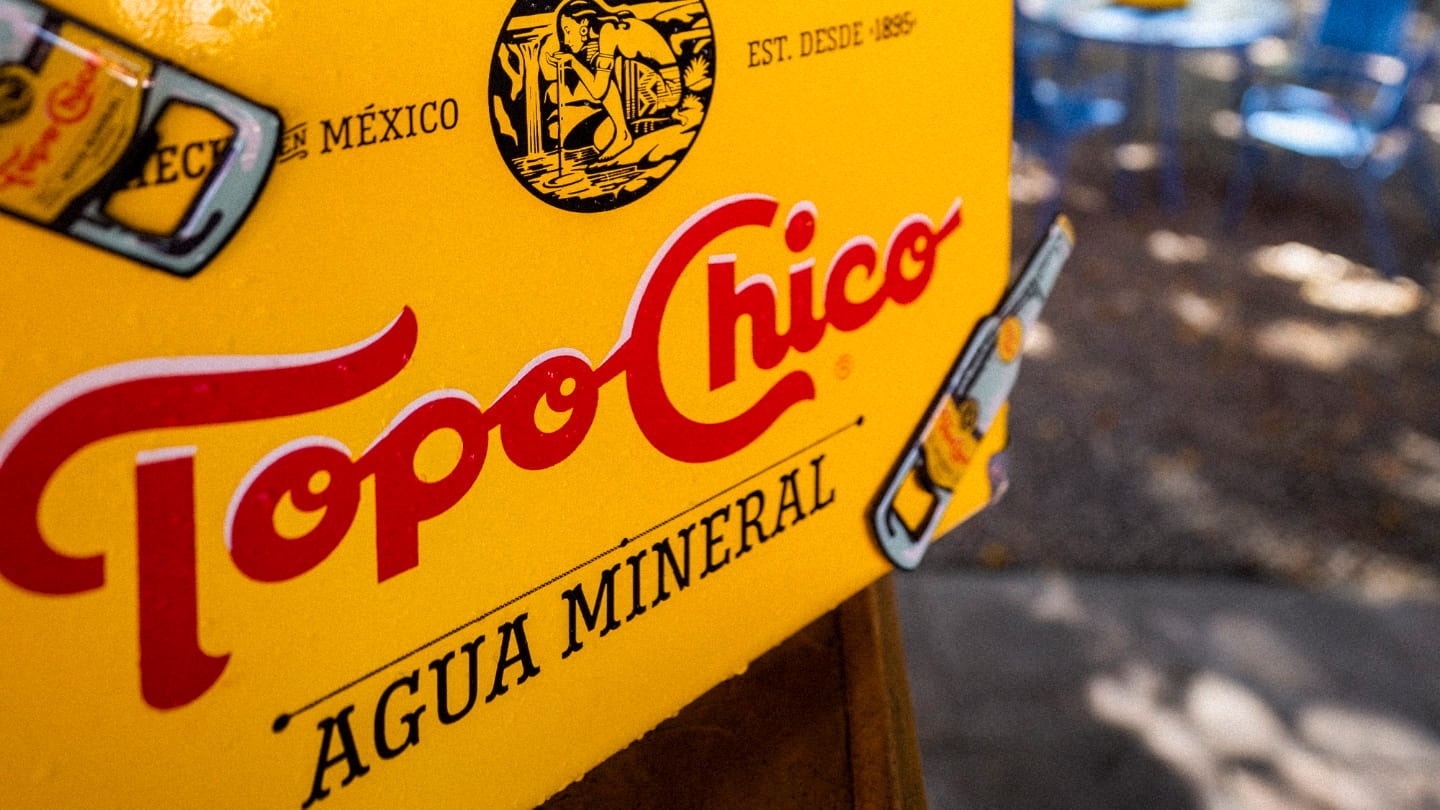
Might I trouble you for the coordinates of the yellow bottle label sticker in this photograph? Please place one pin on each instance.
(951, 443)
(84, 101)
(192, 143)
(1010, 339)
(967, 413)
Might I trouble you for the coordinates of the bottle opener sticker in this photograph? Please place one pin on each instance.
(78, 110)
(916, 495)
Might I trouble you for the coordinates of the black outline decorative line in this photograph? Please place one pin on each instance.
(858, 422)
(283, 720)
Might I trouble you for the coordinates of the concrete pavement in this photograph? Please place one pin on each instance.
(1049, 690)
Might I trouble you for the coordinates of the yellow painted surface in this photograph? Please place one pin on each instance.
(432, 232)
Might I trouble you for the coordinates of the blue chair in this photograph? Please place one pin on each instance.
(1345, 110)
(1054, 117)
(1355, 27)
(1037, 41)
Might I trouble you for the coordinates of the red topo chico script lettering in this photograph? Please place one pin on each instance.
(193, 391)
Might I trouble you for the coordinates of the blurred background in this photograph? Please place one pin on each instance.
(1215, 581)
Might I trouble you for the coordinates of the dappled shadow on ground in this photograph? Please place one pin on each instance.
(1203, 414)
(1039, 692)
(1002, 716)
(1257, 403)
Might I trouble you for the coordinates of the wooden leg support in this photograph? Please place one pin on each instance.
(822, 722)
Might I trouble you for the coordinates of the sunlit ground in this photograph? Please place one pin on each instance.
(1208, 400)
(1102, 692)
(1235, 749)
(1254, 408)
(1233, 388)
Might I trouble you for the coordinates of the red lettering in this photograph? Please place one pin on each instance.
(805, 329)
(954, 441)
(319, 474)
(173, 668)
(859, 253)
(668, 430)
(9, 175)
(259, 551)
(402, 499)
(68, 103)
(917, 237)
(755, 299)
(39, 154)
(527, 445)
(164, 393)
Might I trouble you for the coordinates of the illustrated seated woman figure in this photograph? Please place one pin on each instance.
(591, 36)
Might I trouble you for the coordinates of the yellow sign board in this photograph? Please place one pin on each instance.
(411, 405)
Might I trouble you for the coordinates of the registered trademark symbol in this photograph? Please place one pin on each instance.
(843, 366)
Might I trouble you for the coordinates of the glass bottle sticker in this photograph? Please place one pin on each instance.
(79, 114)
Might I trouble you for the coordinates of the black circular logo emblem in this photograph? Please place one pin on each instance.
(595, 103)
(16, 93)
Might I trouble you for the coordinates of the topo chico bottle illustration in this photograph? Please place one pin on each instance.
(80, 113)
(916, 495)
